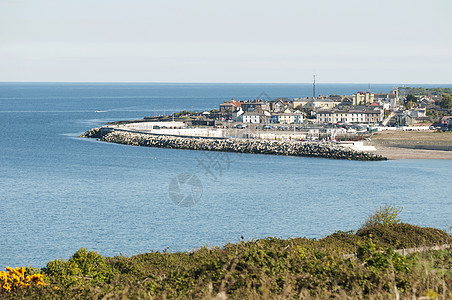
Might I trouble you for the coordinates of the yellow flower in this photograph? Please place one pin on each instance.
(7, 287)
(15, 278)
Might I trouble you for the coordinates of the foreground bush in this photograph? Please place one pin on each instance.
(268, 268)
(84, 267)
(17, 278)
(387, 215)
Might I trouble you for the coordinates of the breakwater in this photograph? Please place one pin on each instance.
(292, 148)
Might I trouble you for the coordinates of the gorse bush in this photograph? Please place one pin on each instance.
(84, 266)
(404, 235)
(387, 215)
(17, 278)
(344, 265)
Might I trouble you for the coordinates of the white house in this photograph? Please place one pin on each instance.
(236, 115)
(287, 118)
(418, 112)
(351, 116)
(251, 117)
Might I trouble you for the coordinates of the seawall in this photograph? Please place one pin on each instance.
(292, 148)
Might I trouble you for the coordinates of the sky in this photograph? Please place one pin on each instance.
(347, 41)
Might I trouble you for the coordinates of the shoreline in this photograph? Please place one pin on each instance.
(398, 152)
(413, 145)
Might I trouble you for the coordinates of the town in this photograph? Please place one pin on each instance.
(365, 108)
(333, 117)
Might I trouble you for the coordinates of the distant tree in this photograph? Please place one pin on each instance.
(411, 97)
(447, 101)
(423, 91)
(410, 101)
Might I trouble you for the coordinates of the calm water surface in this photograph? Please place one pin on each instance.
(60, 193)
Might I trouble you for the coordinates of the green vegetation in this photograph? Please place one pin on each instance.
(387, 215)
(447, 101)
(420, 91)
(184, 113)
(410, 101)
(268, 268)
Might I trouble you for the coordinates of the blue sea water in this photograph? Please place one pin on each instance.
(59, 193)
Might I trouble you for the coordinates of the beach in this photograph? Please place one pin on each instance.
(409, 153)
(413, 145)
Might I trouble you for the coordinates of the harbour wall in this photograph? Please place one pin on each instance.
(256, 146)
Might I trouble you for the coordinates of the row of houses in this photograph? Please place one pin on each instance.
(386, 100)
(256, 105)
(391, 99)
(277, 118)
(281, 105)
(367, 116)
(413, 117)
(358, 108)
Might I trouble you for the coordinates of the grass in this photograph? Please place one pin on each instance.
(414, 136)
(269, 268)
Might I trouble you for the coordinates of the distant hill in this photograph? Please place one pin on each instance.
(423, 91)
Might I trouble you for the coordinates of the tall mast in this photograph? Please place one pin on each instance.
(313, 89)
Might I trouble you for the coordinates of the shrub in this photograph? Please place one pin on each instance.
(387, 215)
(16, 278)
(405, 236)
(84, 266)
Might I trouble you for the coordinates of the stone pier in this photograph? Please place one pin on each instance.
(256, 146)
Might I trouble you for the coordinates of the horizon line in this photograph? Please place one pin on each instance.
(201, 82)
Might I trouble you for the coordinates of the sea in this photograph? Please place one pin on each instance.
(60, 193)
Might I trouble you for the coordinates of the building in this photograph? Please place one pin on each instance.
(231, 106)
(252, 117)
(418, 112)
(236, 115)
(315, 104)
(390, 99)
(405, 120)
(287, 118)
(425, 101)
(446, 122)
(361, 98)
(279, 105)
(350, 116)
(255, 106)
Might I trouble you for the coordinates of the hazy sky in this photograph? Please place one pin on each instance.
(385, 41)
